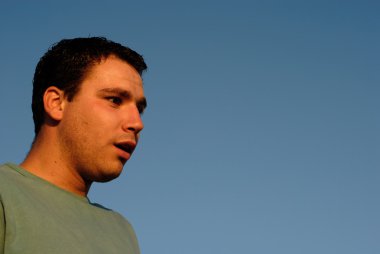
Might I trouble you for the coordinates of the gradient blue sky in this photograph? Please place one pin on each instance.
(262, 131)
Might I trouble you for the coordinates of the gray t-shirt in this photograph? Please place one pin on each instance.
(38, 217)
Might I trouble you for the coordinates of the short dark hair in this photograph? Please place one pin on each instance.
(66, 64)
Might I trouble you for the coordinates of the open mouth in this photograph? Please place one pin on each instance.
(126, 147)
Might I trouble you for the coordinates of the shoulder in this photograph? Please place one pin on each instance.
(4, 168)
(8, 168)
(6, 173)
(111, 214)
(10, 172)
(13, 181)
(114, 216)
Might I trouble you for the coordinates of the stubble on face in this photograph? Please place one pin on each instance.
(90, 127)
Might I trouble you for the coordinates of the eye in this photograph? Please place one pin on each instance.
(140, 109)
(115, 100)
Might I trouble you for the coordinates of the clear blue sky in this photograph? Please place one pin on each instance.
(262, 130)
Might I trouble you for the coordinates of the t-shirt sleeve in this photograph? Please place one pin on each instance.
(2, 227)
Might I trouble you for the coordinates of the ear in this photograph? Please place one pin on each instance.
(54, 102)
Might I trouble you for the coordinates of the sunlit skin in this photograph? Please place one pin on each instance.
(91, 137)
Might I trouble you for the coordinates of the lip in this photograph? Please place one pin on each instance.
(125, 148)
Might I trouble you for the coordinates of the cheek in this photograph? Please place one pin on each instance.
(93, 120)
(101, 114)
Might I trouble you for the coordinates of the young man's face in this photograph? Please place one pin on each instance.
(100, 126)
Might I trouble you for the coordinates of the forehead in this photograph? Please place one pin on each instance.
(113, 68)
(112, 74)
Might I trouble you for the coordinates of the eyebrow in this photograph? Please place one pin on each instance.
(126, 95)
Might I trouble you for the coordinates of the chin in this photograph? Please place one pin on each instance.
(107, 176)
(108, 173)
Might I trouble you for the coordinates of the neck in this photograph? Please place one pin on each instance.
(45, 160)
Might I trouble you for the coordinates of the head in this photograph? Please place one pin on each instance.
(88, 98)
(66, 64)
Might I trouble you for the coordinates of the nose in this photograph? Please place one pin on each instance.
(132, 121)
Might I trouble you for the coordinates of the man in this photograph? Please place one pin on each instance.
(87, 103)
